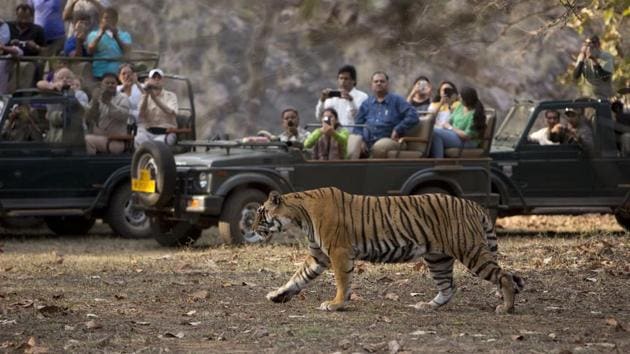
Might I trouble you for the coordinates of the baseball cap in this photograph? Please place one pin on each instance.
(156, 71)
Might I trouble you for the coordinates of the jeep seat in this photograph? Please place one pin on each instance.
(416, 143)
(486, 141)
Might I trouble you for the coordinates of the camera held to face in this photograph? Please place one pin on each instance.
(326, 120)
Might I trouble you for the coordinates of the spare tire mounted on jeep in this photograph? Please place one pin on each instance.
(156, 158)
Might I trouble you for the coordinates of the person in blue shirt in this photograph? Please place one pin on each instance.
(387, 117)
(107, 42)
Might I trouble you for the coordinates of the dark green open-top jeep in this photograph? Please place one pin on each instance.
(562, 178)
(46, 172)
(224, 182)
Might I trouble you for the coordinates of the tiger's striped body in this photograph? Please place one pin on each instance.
(342, 228)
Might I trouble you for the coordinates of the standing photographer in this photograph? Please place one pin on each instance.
(596, 66)
(158, 111)
(346, 101)
(331, 140)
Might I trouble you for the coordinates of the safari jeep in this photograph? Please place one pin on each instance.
(562, 178)
(224, 182)
(55, 178)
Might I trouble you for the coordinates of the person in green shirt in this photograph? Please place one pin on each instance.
(467, 123)
(330, 142)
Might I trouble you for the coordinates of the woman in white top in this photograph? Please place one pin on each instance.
(444, 108)
(132, 89)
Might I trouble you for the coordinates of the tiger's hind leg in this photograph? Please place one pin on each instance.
(314, 265)
(480, 261)
(441, 268)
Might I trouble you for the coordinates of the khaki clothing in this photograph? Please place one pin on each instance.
(594, 84)
(155, 116)
(106, 120)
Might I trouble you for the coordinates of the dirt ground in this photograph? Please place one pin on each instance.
(99, 293)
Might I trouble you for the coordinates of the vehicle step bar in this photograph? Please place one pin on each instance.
(47, 212)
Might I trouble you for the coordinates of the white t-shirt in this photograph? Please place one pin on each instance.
(346, 110)
(541, 137)
(134, 102)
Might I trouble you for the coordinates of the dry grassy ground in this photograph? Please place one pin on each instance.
(103, 294)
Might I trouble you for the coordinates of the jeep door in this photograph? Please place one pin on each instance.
(42, 154)
(551, 175)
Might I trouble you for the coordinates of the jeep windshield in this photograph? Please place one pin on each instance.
(509, 133)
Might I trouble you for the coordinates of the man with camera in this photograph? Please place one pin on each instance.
(387, 117)
(106, 117)
(158, 112)
(346, 101)
(596, 66)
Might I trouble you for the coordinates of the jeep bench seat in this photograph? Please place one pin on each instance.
(486, 141)
(416, 144)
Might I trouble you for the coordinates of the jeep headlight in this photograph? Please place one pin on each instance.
(203, 180)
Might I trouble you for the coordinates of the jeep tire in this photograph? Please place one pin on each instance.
(158, 159)
(123, 218)
(238, 215)
(69, 225)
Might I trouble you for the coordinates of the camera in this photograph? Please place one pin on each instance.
(65, 87)
(290, 124)
(334, 93)
(448, 92)
(326, 120)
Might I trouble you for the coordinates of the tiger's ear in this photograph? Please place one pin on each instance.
(275, 198)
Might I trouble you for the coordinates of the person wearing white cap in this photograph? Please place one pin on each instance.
(158, 111)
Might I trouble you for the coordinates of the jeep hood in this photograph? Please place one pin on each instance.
(235, 157)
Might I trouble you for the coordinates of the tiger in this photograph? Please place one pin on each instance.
(342, 228)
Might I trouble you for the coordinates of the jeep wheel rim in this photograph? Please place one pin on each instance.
(134, 216)
(247, 220)
(148, 163)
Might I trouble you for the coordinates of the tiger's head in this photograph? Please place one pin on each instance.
(271, 217)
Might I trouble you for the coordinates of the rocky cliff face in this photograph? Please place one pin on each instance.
(248, 60)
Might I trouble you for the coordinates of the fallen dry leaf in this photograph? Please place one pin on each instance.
(178, 335)
(93, 325)
(392, 296)
(199, 295)
(517, 337)
(141, 323)
(190, 313)
(50, 310)
(394, 347)
(614, 323)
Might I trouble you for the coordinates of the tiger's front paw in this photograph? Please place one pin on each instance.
(331, 306)
(503, 309)
(425, 306)
(279, 296)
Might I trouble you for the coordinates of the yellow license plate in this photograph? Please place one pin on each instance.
(143, 184)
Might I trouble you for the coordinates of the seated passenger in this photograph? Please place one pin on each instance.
(292, 132)
(158, 112)
(106, 42)
(468, 122)
(22, 125)
(330, 142)
(444, 103)
(579, 131)
(107, 115)
(92, 10)
(420, 94)
(387, 117)
(6, 51)
(541, 136)
(75, 45)
(48, 14)
(25, 33)
(64, 81)
(130, 87)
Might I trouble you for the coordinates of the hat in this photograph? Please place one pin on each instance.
(156, 71)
